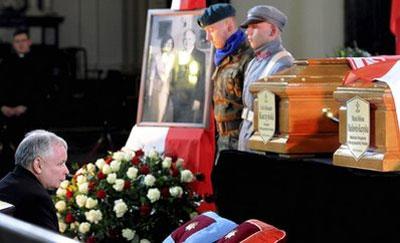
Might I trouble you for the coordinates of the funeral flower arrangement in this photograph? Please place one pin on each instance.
(126, 197)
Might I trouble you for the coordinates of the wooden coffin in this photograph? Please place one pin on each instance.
(302, 92)
(383, 152)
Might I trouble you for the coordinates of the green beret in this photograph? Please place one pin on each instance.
(215, 13)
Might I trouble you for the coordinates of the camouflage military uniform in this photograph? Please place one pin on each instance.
(228, 84)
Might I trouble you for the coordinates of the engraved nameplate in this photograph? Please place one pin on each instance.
(358, 126)
(266, 115)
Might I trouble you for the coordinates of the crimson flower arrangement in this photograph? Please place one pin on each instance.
(126, 197)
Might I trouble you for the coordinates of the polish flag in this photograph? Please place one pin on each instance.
(359, 62)
(387, 71)
(195, 145)
(187, 4)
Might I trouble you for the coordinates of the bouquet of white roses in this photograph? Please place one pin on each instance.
(126, 196)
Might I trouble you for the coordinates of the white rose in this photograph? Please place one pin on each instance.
(80, 200)
(83, 188)
(111, 178)
(62, 226)
(64, 184)
(149, 180)
(128, 234)
(132, 173)
(61, 206)
(144, 241)
(119, 185)
(106, 169)
(115, 165)
(167, 162)
(129, 153)
(153, 154)
(81, 179)
(176, 191)
(179, 162)
(100, 163)
(186, 176)
(118, 156)
(81, 171)
(73, 226)
(153, 194)
(84, 227)
(91, 167)
(91, 203)
(94, 216)
(120, 208)
(61, 192)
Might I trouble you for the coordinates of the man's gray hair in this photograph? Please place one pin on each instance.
(37, 143)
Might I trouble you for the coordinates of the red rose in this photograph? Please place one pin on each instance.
(165, 192)
(108, 160)
(101, 194)
(100, 175)
(174, 171)
(69, 218)
(91, 239)
(139, 153)
(127, 185)
(135, 160)
(144, 169)
(69, 194)
(174, 158)
(91, 185)
(144, 210)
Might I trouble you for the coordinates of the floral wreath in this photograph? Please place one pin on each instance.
(126, 197)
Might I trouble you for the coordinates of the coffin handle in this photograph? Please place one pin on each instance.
(328, 114)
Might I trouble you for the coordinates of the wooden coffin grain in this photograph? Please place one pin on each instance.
(383, 153)
(302, 92)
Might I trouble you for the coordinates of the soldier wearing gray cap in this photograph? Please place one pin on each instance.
(265, 13)
(233, 53)
(264, 25)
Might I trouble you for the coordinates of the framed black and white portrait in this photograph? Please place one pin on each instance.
(177, 63)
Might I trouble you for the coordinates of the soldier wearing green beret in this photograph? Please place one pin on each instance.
(232, 55)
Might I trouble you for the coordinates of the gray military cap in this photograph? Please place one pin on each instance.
(265, 13)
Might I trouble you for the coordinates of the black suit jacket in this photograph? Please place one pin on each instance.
(32, 202)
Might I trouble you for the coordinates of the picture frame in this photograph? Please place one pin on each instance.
(175, 86)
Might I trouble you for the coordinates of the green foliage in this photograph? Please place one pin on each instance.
(351, 52)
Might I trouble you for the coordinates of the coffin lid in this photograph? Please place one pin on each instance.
(315, 70)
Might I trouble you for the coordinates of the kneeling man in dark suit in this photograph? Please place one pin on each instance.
(40, 166)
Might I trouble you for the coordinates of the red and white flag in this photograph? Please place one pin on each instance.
(195, 145)
(359, 62)
(387, 71)
(187, 4)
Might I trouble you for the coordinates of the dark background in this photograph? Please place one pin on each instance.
(310, 200)
(367, 24)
